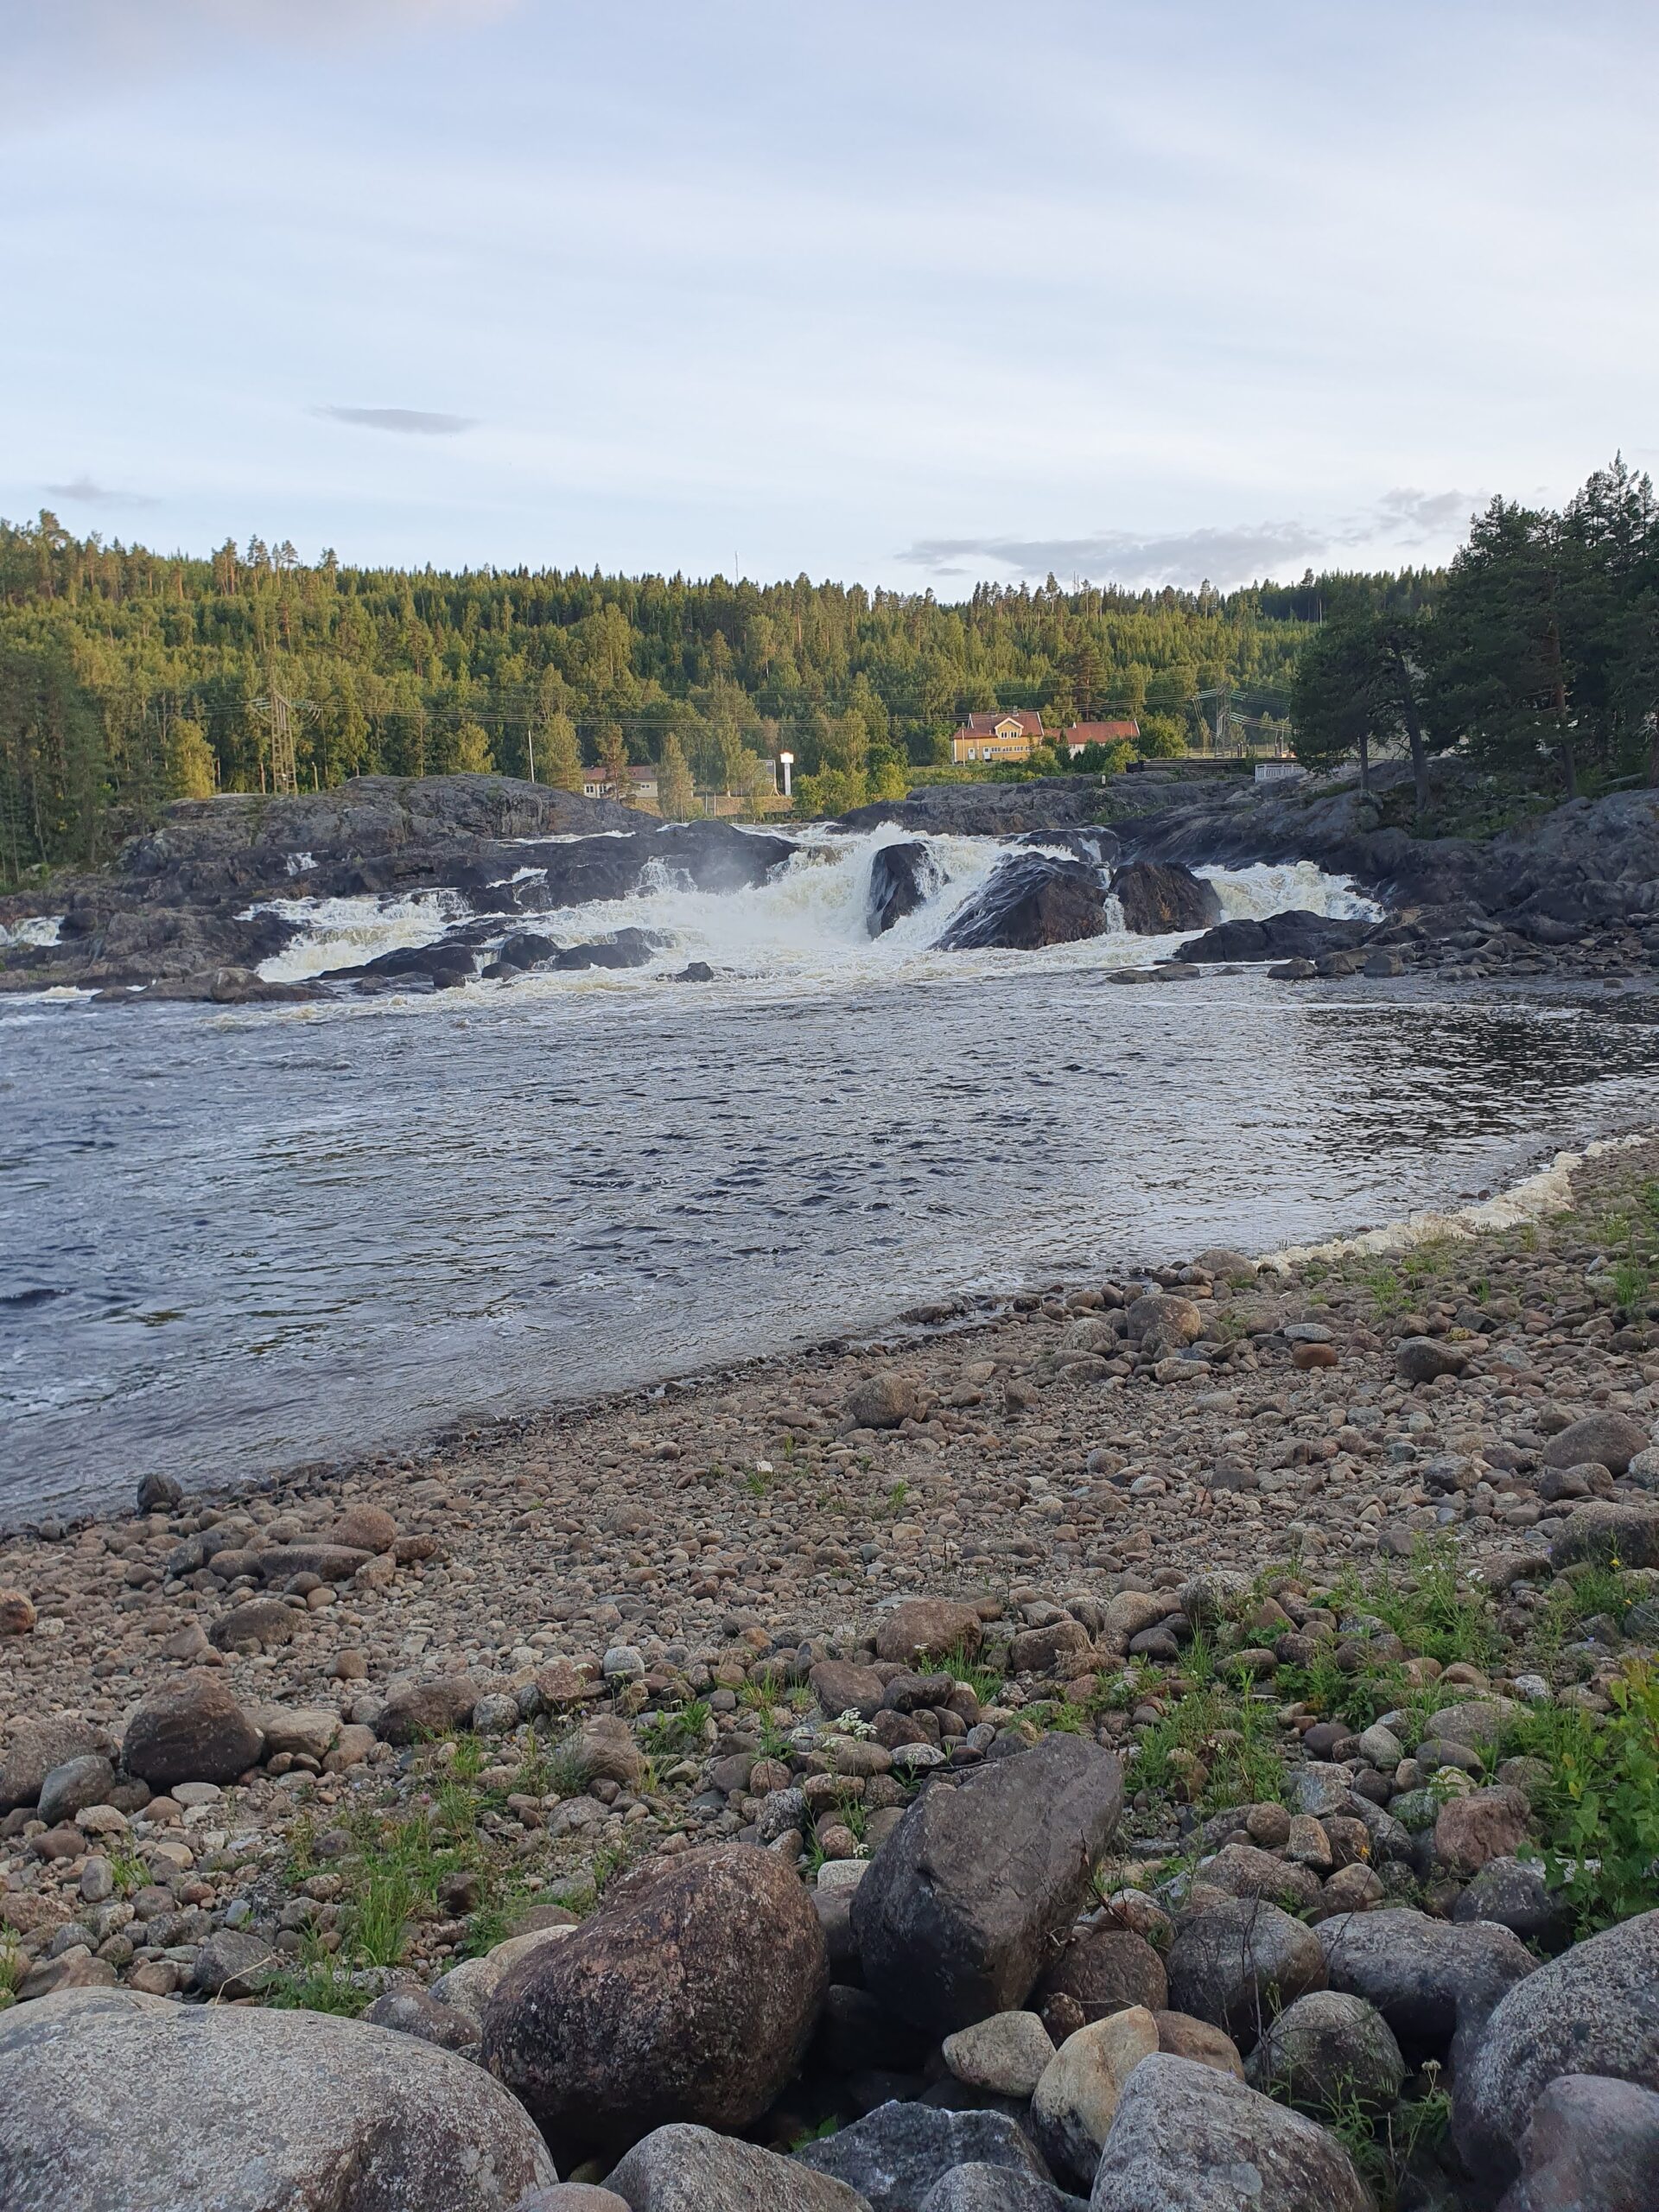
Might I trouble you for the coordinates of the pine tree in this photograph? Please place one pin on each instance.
(472, 754)
(190, 762)
(613, 759)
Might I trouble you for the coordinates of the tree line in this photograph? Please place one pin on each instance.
(129, 677)
(1535, 655)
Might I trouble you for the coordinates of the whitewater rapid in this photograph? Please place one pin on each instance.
(805, 927)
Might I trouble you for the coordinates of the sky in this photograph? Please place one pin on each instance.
(910, 292)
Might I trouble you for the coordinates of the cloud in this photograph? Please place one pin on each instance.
(1225, 556)
(84, 491)
(1228, 557)
(407, 421)
(1414, 516)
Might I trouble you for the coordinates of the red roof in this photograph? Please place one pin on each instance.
(1080, 734)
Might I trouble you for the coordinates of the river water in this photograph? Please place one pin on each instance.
(233, 1239)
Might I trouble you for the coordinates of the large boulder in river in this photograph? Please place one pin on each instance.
(962, 1904)
(1029, 900)
(1595, 2009)
(1190, 2136)
(902, 877)
(1158, 897)
(691, 1996)
(1296, 935)
(110, 2100)
(191, 1729)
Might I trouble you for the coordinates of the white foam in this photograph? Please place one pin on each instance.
(806, 927)
(1533, 1198)
(43, 929)
(345, 933)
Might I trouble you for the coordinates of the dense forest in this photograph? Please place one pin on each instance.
(128, 677)
(1535, 656)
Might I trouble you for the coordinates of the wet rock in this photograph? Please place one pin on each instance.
(1235, 1964)
(1326, 2047)
(1294, 935)
(1430, 1980)
(896, 2154)
(1592, 2146)
(1187, 2136)
(1609, 1440)
(962, 1903)
(191, 1729)
(156, 1492)
(36, 1748)
(1425, 1359)
(691, 1996)
(1591, 2011)
(109, 2099)
(414, 1712)
(1158, 897)
(1073, 2105)
(902, 877)
(682, 2168)
(1030, 900)
(927, 1628)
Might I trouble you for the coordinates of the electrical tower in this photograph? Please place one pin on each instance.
(280, 712)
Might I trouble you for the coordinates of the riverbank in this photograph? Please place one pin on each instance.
(439, 1698)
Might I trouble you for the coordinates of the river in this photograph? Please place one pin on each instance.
(236, 1239)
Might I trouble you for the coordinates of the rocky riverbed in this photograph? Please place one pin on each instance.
(1167, 1729)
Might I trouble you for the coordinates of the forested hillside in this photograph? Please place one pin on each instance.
(127, 677)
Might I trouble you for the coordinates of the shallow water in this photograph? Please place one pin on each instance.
(236, 1239)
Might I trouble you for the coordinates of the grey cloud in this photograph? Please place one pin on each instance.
(83, 491)
(1411, 514)
(407, 421)
(1226, 556)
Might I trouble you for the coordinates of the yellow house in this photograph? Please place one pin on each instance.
(1013, 736)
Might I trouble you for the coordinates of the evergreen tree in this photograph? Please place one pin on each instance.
(558, 756)
(613, 759)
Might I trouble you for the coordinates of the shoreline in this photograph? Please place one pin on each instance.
(1532, 1196)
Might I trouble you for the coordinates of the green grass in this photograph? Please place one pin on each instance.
(1600, 1807)
(318, 1982)
(13, 1967)
(985, 1682)
(1233, 1735)
(1433, 1612)
(675, 1733)
(1386, 2147)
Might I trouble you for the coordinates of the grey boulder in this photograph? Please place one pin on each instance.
(895, 2155)
(110, 2100)
(1328, 2045)
(1431, 1981)
(686, 2168)
(1607, 1439)
(977, 2188)
(1187, 2138)
(1595, 2009)
(1237, 1964)
(37, 1749)
(1593, 2146)
(191, 1729)
(963, 1903)
(69, 1789)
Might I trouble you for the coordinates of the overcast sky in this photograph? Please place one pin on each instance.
(913, 291)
